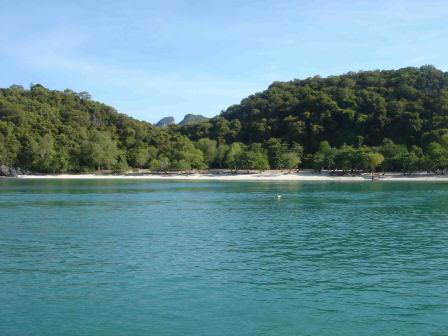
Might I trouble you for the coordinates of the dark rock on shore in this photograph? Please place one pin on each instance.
(10, 171)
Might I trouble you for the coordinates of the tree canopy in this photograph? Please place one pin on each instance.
(391, 120)
(405, 112)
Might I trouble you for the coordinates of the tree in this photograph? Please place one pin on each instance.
(139, 157)
(324, 157)
(318, 161)
(160, 164)
(220, 129)
(100, 151)
(209, 149)
(394, 155)
(438, 156)
(84, 95)
(121, 164)
(415, 160)
(360, 158)
(43, 153)
(221, 153)
(289, 161)
(234, 156)
(9, 145)
(184, 150)
(182, 165)
(255, 158)
(234, 131)
(344, 158)
(374, 160)
(275, 149)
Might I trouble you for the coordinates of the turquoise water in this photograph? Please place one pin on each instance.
(223, 258)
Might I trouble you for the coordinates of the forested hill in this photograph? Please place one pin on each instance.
(392, 120)
(53, 131)
(408, 106)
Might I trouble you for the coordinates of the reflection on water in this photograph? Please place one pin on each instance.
(168, 258)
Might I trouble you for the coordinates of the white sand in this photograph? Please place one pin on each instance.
(265, 176)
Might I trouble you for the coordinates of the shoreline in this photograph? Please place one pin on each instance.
(264, 176)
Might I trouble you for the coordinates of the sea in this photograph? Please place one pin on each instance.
(135, 257)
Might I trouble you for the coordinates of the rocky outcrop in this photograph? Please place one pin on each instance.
(188, 119)
(165, 122)
(6, 171)
(192, 118)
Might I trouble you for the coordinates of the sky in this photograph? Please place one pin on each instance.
(151, 59)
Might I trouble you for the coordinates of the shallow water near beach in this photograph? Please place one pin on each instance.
(128, 257)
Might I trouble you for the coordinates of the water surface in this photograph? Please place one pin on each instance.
(223, 258)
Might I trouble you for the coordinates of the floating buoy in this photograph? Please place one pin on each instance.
(279, 196)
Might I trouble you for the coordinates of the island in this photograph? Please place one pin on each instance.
(358, 125)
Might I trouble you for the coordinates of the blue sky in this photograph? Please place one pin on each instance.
(151, 59)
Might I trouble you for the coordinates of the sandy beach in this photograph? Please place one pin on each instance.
(263, 176)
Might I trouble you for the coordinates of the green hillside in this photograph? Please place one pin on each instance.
(403, 111)
(393, 120)
(53, 131)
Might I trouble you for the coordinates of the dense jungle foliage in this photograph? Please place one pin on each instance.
(53, 131)
(394, 120)
(341, 121)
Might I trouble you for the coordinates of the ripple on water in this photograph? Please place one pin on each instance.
(139, 257)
